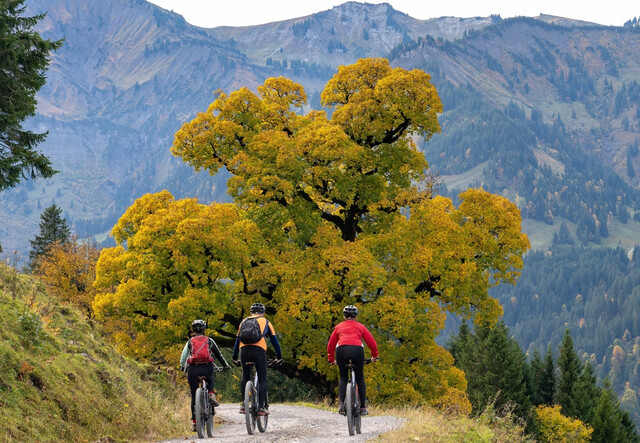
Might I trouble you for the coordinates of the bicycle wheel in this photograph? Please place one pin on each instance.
(263, 419)
(348, 404)
(210, 421)
(356, 409)
(250, 407)
(201, 398)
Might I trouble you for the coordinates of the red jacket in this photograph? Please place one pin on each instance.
(350, 332)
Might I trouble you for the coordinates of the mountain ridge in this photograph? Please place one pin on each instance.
(130, 73)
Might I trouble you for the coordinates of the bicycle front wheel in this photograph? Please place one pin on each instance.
(250, 407)
(356, 408)
(263, 419)
(200, 411)
(210, 422)
(350, 410)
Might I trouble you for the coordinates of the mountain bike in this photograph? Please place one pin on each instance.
(251, 415)
(352, 400)
(204, 410)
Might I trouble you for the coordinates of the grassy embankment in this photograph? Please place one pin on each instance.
(60, 381)
(427, 425)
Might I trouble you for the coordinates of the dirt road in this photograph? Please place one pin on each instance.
(293, 424)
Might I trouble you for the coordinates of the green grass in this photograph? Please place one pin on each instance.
(60, 381)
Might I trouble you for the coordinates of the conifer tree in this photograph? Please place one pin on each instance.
(543, 378)
(535, 376)
(547, 386)
(53, 228)
(586, 394)
(23, 61)
(570, 367)
(494, 366)
(607, 422)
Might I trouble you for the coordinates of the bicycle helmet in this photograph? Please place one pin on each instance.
(258, 308)
(198, 326)
(350, 311)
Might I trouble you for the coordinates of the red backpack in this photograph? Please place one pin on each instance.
(200, 350)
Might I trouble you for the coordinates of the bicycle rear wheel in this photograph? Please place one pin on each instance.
(201, 398)
(263, 419)
(250, 407)
(350, 410)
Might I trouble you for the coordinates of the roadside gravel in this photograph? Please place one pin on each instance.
(288, 423)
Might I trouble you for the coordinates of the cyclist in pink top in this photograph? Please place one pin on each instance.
(346, 345)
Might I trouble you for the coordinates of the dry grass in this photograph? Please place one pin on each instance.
(429, 425)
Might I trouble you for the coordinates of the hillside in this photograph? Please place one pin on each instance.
(60, 381)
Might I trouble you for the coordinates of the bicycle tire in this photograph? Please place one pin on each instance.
(356, 409)
(263, 419)
(250, 407)
(210, 422)
(201, 397)
(350, 410)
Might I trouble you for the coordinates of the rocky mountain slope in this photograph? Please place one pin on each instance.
(130, 73)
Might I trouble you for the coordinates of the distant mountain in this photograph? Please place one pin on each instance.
(542, 110)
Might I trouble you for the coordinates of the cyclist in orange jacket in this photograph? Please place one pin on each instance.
(257, 353)
(345, 344)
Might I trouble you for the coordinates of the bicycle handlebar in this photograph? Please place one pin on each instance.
(366, 362)
(271, 363)
(217, 368)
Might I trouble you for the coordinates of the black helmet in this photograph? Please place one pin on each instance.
(258, 308)
(350, 311)
(198, 326)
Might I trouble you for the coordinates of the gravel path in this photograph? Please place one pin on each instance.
(289, 423)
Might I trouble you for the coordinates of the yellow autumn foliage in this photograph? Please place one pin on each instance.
(557, 428)
(327, 211)
(68, 272)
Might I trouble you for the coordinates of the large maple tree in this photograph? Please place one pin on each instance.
(328, 210)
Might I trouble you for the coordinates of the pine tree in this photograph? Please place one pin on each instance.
(23, 61)
(570, 367)
(494, 366)
(53, 228)
(547, 386)
(543, 378)
(536, 368)
(607, 423)
(587, 394)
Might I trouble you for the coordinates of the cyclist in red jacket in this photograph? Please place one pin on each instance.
(346, 344)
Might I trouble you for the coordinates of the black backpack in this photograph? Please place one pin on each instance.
(249, 332)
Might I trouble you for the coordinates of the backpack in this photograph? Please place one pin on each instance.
(249, 332)
(200, 350)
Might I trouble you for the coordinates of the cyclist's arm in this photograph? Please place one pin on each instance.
(185, 354)
(276, 346)
(236, 349)
(331, 346)
(213, 347)
(274, 341)
(370, 341)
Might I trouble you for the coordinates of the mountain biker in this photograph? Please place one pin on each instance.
(257, 353)
(199, 367)
(346, 344)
